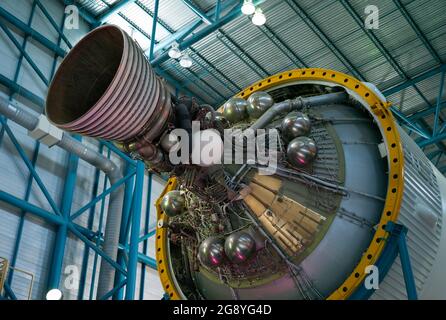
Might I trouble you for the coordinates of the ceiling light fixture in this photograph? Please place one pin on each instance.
(186, 61)
(174, 51)
(258, 18)
(248, 7)
(54, 294)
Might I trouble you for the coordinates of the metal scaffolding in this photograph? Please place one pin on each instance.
(61, 215)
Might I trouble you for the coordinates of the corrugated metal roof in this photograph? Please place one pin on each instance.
(96, 7)
(174, 12)
(237, 56)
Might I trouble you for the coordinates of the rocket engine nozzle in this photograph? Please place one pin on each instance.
(106, 88)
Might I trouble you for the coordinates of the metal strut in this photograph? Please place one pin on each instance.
(395, 244)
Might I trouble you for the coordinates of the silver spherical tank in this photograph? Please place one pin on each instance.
(258, 103)
(295, 125)
(220, 118)
(301, 151)
(234, 109)
(211, 252)
(173, 203)
(239, 247)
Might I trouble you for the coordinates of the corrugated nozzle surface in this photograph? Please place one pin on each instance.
(106, 88)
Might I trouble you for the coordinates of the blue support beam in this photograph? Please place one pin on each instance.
(204, 86)
(434, 154)
(395, 243)
(19, 232)
(373, 38)
(31, 32)
(62, 231)
(410, 124)
(211, 70)
(9, 292)
(97, 242)
(293, 4)
(123, 233)
(194, 8)
(53, 23)
(426, 142)
(119, 6)
(83, 13)
(19, 62)
(242, 54)
(182, 33)
(74, 229)
(378, 44)
(23, 52)
(154, 24)
(217, 10)
(21, 91)
(425, 113)
(197, 58)
(412, 81)
(61, 217)
(101, 196)
(438, 106)
(175, 84)
(25, 42)
(134, 236)
(30, 208)
(86, 255)
(233, 14)
(30, 167)
(282, 46)
(406, 265)
(146, 231)
(417, 30)
(59, 42)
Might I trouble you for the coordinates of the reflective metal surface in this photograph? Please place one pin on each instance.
(239, 247)
(211, 252)
(234, 109)
(173, 203)
(258, 103)
(219, 117)
(295, 125)
(301, 151)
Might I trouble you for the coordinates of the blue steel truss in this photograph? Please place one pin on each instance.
(61, 215)
(395, 244)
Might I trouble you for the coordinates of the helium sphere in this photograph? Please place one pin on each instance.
(301, 151)
(258, 103)
(234, 109)
(211, 252)
(239, 247)
(219, 117)
(295, 125)
(173, 203)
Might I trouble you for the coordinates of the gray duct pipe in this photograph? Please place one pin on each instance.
(112, 226)
(296, 104)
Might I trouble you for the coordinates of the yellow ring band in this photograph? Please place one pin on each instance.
(394, 196)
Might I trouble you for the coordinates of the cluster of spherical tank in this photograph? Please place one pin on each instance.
(237, 247)
(295, 127)
(238, 109)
